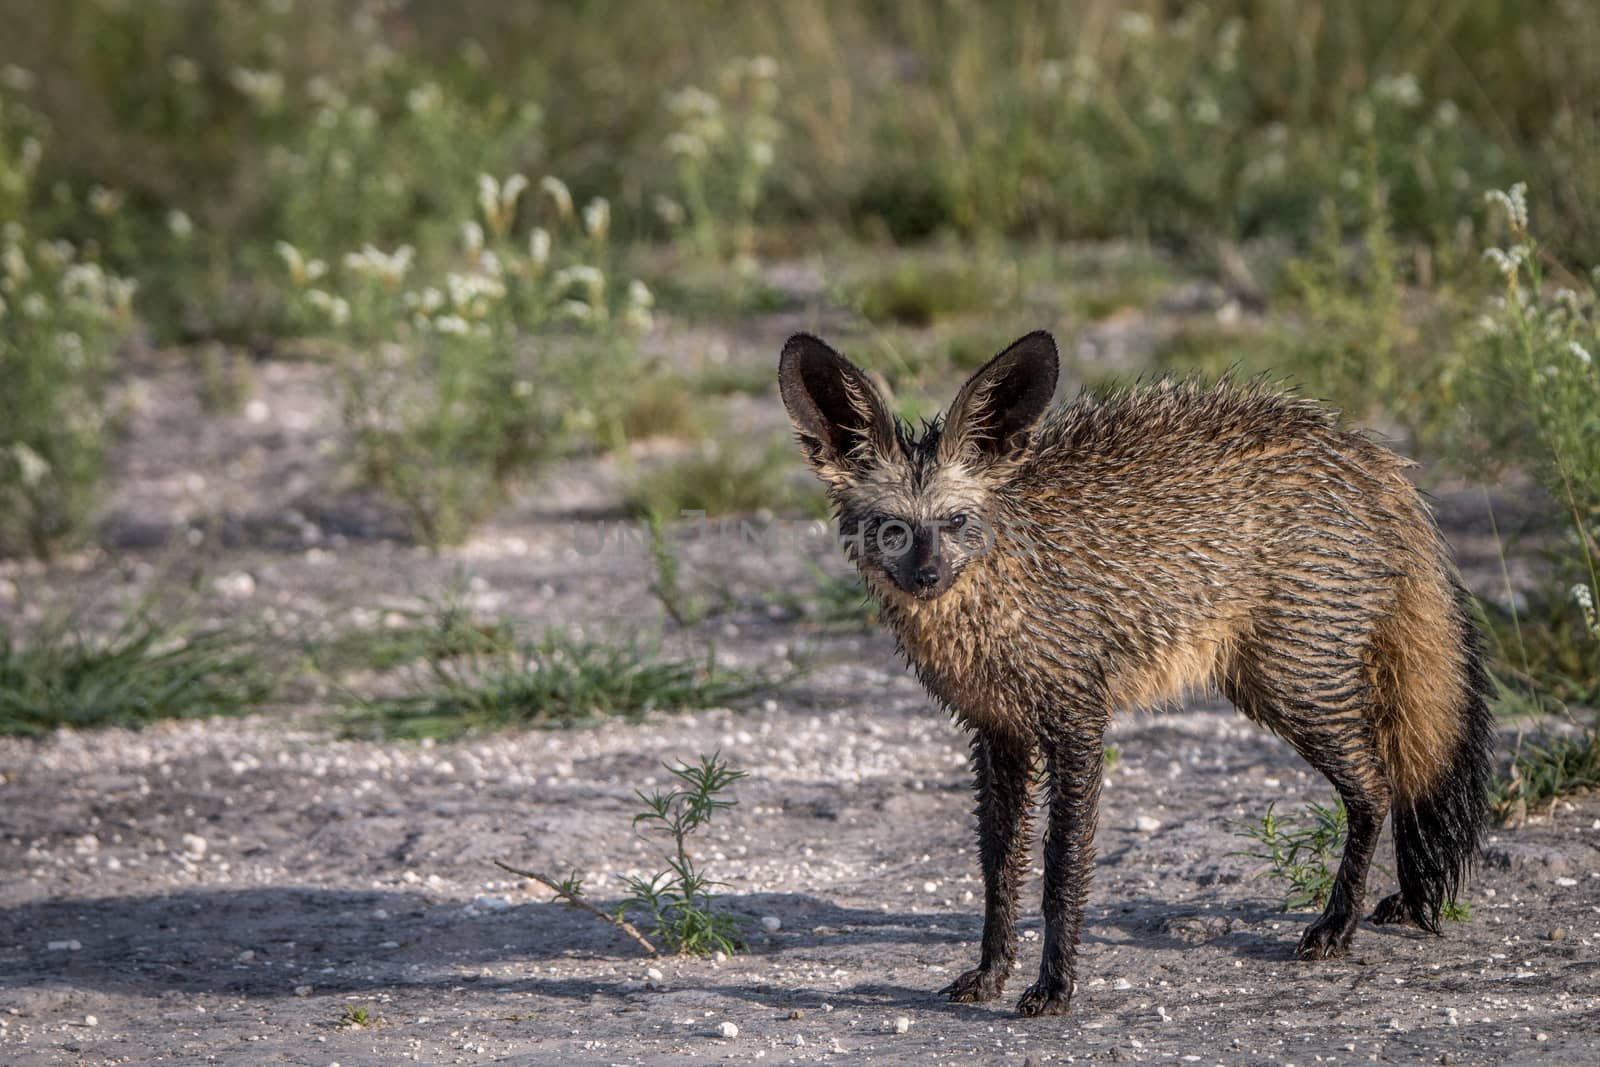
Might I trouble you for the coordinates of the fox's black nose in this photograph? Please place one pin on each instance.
(926, 577)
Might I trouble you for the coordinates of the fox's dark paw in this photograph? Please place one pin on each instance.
(1045, 1000)
(1390, 910)
(976, 986)
(1325, 939)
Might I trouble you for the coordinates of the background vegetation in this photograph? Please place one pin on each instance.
(476, 213)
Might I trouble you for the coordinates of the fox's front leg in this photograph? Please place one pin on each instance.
(1004, 769)
(1073, 752)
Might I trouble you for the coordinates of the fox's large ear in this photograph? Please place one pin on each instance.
(841, 417)
(993, 416)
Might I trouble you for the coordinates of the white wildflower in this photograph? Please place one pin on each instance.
(35, 306)
(425, 99)
(638, 319)
(1447, 113)
(1507, 260)
(1580, 353)
(84, 281)
(31, 467)
(1205, 110)
(120, 291)
(668, 210)
(1399, 89)
(453, 325)
(16, 264)
(687, 145)
(104, 201)
(32, 152)
(472, 237)
(597, 218)
(18, 79)
(337, 308)
(576, 309)
(180, 225)
(387, 267)
(1514, 202)
(1158, 110)
(592, 279)
(763, 67)
(639, 294)
(1584, 597)
(55, 254)
(539, 246)
(263, 87)
(183, 70)
(560, 195)
(1135, 24)
(762, 154)
(693, 102)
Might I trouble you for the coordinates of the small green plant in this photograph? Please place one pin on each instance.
(1111, 757)
(58, 675)
(724, 143)
(682, 605)
(462, 373)
(727, 478)
(358, 1017)
(1455, 911)
(554, 681)
(679, 899)
(678, 902)
(61, 318)
(1300, 850)
(444, 629)
(1543, 771)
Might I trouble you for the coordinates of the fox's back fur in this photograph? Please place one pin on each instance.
(1176, 536)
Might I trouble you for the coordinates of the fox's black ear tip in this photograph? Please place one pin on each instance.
(1043, 340)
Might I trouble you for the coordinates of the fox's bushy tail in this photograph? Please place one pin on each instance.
(1441, 797)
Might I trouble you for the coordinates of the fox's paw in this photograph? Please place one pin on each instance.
(1325, 939)
(1042, 999)
(1390, 911)
(976, 986)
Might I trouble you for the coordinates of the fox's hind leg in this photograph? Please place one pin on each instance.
(1319, 707)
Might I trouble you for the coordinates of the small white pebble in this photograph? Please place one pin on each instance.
(302, 991)
(930, 887)
(1146, 824)
(90, 1020)
(246, 956)
(797, 1040)
(901, 1024)
(194, 845)
(1566, 882)
(65, 946)
(1540, 1036)
(771, 923)
(728, 1030)
(1122, 983)
(654, 976)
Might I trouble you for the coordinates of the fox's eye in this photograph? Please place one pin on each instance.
(957, 521)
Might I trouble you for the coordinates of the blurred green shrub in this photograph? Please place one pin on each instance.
(61, 316)
(461, 372)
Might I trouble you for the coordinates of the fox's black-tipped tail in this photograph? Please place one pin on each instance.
(1438, 830)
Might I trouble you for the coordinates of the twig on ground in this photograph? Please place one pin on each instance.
(577, 901)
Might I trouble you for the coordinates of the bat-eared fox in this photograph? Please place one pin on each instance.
(1041, 567)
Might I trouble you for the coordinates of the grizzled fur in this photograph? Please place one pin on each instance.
(1042, 568)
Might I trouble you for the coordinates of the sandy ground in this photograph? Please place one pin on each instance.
(226, 891)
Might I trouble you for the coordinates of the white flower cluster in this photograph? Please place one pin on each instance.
(1584, 597)
(387, 267)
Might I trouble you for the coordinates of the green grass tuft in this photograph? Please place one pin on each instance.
(555, 681)
(60, 676)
